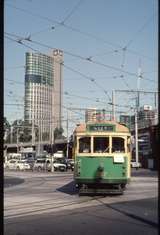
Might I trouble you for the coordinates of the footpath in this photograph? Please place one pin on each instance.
(146, 209)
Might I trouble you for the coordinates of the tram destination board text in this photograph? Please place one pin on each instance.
(101, 128)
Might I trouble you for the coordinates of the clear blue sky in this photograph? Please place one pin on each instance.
(96, 29)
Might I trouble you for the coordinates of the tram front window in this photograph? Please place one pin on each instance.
(85, 145)
(118, 145)
(101, 145)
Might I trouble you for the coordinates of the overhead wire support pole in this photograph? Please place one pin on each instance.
(52, 143)
(136, 136)
(17, 141)
(136, 116)
(67, 137)
(113, 106)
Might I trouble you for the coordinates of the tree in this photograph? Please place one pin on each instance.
(6, 124)
(6, 128)
(22, 129)
(58, 133)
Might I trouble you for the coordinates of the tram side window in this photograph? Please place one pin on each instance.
(101, 145)
(85, 145)
(117, 145)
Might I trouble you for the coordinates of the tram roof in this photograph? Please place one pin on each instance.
(119, 127)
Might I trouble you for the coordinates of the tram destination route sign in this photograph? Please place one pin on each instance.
(101, 127)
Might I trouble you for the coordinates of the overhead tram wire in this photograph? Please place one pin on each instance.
(86, 98)
(139, 31)
(62, 22)
(133, 74)
(90, 79)
(30, 47)
(28, 39)
(72, 11)
(51, 28)
(65, 93)
(95, 62)
(76, 30)
(70, 109)
(125, 48)
(123, 79)
(15, 67)
(72, 69)
(10, 80)
(83, 58)
(20, 42)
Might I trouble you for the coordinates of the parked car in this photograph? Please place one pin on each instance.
(22, 165)
(11, 164)
(70, 164)
(42, 164)
(45, 164)
(135, 164)
(59, 166)
(14, 164)
(31, 162)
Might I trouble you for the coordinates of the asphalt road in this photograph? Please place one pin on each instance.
(48, 204)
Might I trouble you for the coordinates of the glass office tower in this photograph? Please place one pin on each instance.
(43, 91)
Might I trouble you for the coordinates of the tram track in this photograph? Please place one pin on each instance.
(47, 208)
(29, 198)
(87, 202)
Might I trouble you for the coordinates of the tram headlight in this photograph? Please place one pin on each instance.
(100, 172)
(100, 168)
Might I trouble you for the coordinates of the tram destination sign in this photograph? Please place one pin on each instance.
(101, 127)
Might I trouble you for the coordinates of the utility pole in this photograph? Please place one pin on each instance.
(113, 106)
(52, 167)
(33, 133)
(136, 114)
(17, 141)
(136, 135)
(11, 136)
(52, 143)
(67, 137)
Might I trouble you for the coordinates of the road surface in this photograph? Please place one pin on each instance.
(48, 204)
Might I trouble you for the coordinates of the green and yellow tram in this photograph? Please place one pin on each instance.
(102, 157)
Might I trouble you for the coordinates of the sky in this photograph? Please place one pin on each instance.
(106, 45)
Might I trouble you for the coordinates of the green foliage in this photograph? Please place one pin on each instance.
(58, 133)
(6, 124)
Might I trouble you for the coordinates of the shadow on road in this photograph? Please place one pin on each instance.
(10, 181)
(68, 188)
(143, 210)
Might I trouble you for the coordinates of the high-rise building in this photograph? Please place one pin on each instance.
(43, 91)
(128, 120)
(148, 115)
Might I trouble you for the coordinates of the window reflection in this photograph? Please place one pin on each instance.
(85, 145)
(118, 145)
(101, 145)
